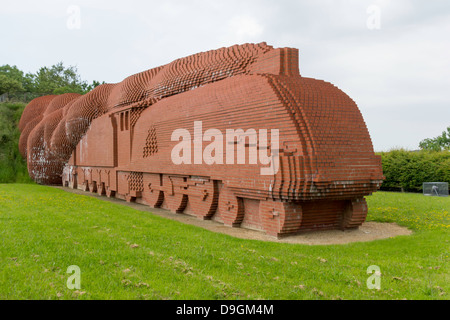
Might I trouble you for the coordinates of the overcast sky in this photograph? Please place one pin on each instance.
(391, 57)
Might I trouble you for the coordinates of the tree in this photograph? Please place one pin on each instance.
(47, 80)
(11, 72)
(11, 79)
(89, 87)
(438, 143)
(56, 79)
(28, 82)
(9, 85)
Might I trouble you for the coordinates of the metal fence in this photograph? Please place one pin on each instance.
(4, 97)
(20, 96)
(439, 189)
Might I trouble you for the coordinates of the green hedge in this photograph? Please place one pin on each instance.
(407, 170)
(13, 167)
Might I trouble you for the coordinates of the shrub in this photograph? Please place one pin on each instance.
(13, 167)
(407, 170)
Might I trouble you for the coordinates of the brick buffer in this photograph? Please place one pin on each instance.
(116, 141)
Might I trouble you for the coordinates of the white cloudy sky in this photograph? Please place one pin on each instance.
(399, 74)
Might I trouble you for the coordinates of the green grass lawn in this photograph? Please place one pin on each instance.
(129, 254)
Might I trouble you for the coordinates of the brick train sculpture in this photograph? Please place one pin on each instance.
(158, 138)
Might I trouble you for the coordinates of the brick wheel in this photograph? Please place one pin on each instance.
(204, 202)
(231, 208)
(85, 186)
(355, 214)
(93, 187)
(110, 193)
(101, 190)
(176, 203)
(280, 218)
(175, 200)
(152, 194)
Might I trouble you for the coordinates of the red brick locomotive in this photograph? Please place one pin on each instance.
(118, 140)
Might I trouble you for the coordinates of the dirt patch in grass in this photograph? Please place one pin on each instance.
(369, 231)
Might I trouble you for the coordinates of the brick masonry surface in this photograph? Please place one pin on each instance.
(116, 140)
